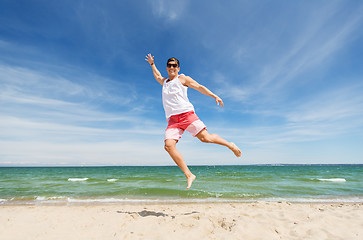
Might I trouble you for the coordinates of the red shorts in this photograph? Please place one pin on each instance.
(177, 124)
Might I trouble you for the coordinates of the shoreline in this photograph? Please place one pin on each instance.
(254, 220)
(116, 202)
(88, 201)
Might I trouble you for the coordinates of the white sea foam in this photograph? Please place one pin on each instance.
(314, 200)
(332, 179)
(100, 200)
(130, 201)
(77, 179)
(42, 198)
(112, 180)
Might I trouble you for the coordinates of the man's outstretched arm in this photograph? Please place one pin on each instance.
(156, 72)
(190, 82)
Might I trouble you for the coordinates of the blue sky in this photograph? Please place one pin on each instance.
(76, 90)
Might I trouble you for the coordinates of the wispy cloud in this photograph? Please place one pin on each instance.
(47, 116)
(329, 114)
(31, 85)
(321, 36)
(171, 10)
(331, 106)
(313, 48)
(82, 153)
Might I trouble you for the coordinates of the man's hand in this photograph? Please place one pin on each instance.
(150, 59)
(219, 101)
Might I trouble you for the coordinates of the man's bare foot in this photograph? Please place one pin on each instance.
(236, 150)
(190, 180)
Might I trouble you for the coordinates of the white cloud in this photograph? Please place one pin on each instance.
(310, 45)
(344, 104)
(31, 85)
(330, 113)
(171, 10)
(82, 153)
(49, 119)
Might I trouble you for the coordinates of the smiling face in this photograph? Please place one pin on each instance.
(172, 68)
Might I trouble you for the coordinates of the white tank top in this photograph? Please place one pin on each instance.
(175, 99)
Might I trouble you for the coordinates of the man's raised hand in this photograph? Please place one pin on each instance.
(149, 58)
(219, 101)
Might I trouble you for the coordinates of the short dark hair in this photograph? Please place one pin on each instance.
(173, 59)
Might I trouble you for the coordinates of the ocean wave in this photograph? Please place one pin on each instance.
(57, 198)
(332, 179)
(112, 180)
(77, 179)
(313, 200)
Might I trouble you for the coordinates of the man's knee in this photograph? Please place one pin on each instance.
(169, 146)
(207, 138)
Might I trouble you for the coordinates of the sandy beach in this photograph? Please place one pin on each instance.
(260, 220)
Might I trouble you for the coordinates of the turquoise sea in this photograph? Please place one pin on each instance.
(115, 185)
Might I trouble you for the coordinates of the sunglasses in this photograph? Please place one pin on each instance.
(172, 65)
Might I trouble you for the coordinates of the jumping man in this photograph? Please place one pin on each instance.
(180, 113)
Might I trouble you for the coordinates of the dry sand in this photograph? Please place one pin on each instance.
(261, 220)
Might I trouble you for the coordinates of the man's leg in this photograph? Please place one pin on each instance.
(170, 147)
(206, 137)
